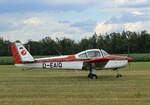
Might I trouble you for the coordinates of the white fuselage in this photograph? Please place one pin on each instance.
(111, 64)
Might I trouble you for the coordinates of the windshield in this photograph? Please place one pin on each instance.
(93, 54)
(104, 53)
(83, 55)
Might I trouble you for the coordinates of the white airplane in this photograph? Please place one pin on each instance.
(93, 59)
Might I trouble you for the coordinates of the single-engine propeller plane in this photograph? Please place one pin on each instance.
(93, 59)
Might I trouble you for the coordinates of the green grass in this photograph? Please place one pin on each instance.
(62, 87)
(6, 60)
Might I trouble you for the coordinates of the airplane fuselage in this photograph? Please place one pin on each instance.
(86, 60)
(64, 62)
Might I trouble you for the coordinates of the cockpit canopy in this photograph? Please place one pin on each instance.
(93, 53)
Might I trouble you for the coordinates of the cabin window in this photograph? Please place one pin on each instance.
(83, 55)
(104, 53)
(93, 54)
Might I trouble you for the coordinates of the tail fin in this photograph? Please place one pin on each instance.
(20, 53)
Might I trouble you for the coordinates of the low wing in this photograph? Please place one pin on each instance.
(97, 63)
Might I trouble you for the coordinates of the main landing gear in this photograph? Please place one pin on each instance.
(117, 72)
(92, 74)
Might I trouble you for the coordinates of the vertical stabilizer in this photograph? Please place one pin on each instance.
(20, 53)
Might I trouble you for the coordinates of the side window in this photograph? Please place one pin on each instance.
(83, 55)
(93, 54)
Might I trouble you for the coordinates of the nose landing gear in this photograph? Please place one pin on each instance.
(117, 72)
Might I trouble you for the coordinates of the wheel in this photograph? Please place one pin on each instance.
(118, 76)
(92, 76)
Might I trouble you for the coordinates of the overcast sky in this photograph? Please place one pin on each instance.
(35, 19)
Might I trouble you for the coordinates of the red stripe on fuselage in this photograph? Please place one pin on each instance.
(16, 56)
(117, 56)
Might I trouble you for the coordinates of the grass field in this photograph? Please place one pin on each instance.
(62, 87)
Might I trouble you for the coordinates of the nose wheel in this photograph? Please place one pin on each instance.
(118, 74)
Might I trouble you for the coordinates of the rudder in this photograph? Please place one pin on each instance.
(20, 53)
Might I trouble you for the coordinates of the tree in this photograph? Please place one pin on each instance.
(5, 47)
(49, 46)
(112, 43)
(66, 46)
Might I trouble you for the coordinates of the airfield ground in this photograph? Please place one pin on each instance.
(62, 87)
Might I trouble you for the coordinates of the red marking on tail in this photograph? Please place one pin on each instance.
(16, 56)
(20, 48)
(23, 52)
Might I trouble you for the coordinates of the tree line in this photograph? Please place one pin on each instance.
(114, 43)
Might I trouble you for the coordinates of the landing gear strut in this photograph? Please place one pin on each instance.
(92, 74)
(118, 74)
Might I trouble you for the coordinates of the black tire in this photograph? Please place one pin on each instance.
(118, 76)
(92, 76)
